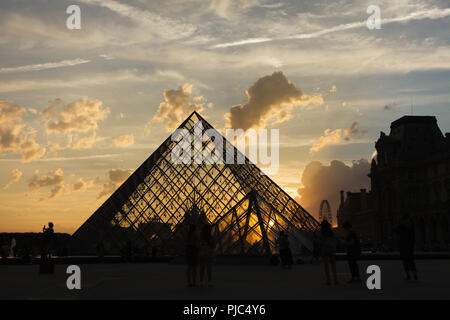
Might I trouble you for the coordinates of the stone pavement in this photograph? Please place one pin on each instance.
(167, 281)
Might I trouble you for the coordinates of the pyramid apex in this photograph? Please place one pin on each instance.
(195, 113)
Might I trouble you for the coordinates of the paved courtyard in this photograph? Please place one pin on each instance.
(167, 281)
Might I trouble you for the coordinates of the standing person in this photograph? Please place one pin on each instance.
(353, 246)
(48, 240)
(191, 244)
(206, 254)
(316, 248)
(406, 246)
(328, 245)
(285, 250)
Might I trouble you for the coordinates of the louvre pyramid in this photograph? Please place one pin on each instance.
(155, 205)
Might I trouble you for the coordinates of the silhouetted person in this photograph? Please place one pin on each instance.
(48, 240)
(25, 253)
(191, 245)
(328, 245)
(3, 251)
(285, 250)
(353, 252)
(206, 253)
(406, 246)
(316, 248)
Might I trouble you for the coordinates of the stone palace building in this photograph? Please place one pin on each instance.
(409, 175)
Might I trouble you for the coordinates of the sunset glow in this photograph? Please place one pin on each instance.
(80, 110)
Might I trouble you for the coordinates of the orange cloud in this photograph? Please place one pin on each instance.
(116, 177)
(17, 174)
(272, 96)
(81, 115)
(10, 112)
(124, 141)
(324, 182)
(13, 137)
(336, 136)
(53, 180)
(177, 106)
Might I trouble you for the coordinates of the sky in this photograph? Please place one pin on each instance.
(80, 109)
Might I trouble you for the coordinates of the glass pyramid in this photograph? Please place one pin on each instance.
(155, 205)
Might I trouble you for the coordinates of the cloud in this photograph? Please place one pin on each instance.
(241, 42)
(86, 142)
(31, 150)
(124, 141)
(10, 139)
(53, 180)
(81, 115)
(116, 177)
(80, 185)
(17, 174)
(14, 138)
(272, 96)
(170, 74)
(49, 112)
(434, 13)
(229, 9)
(44, 66)
(322, 182)
(353, 131)
(333, 88)
(106, 56)
(154, 24)
(29, 31)
(10, 112)
(176, 106)
(75, 142)
(99, 79)
(336, 136)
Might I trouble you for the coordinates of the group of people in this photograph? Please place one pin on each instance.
(325, 245)
(200, 246)
(328, 244)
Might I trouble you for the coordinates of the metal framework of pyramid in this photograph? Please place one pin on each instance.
(155, 205)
